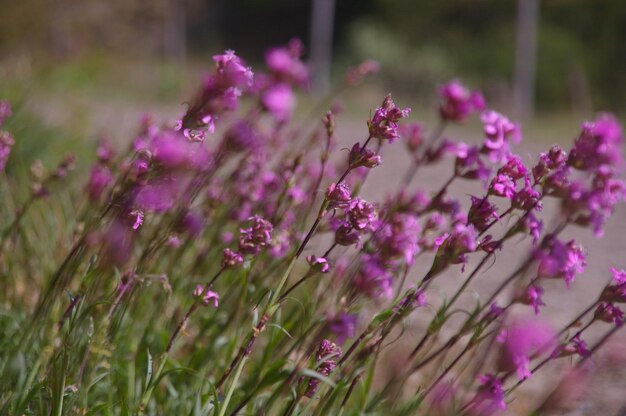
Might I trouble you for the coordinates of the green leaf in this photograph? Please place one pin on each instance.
(314, 374)
(148, 369)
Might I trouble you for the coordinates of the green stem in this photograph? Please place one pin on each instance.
(231, 389)
(151, 385)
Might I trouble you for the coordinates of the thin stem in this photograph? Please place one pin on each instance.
(417, 163)
(579, 364)
(448, 368)
(307, 275)
(350, 389)
(231, 389)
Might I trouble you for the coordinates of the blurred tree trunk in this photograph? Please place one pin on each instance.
(580, 93)
(60, 33)
(321, 43)
(526, 57)
(174, 31)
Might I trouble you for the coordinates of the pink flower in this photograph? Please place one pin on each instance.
(372, 279)
(576, 346)
(99, 179)
(564, 260)
(489, 398)
(327, 354)
(554, 159)
(481, 213)
(469, 165)
(532, 225)
(6, 143)
(363, 157)
(599, 145)
(137, 216)
(608, 312)
(232, 70)
(343, 325)
(319, 263)
(338, 196)
(522, 341)
(384, 123)
(532, 297)
(345, 235)
(5, 111)
(279, 101)
(458, 102)
(502, 185)
(398, 238)
(362, 214)
(355, 75)
(231, 258)
(256, 237)
(206, 296)
(413, 135)
(526, 199)
(285, 63)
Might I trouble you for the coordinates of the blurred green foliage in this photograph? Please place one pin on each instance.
(580, 45)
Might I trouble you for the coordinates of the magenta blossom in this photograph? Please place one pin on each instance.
(563, 260)
(230, 258)
(522, 341)
(489, 398)
(502, 185)
(414, 136)
(618, 276)
(327, 355)
(363, 157)
(576, 346)
(532, 296)
(5, 111)
(318, 263)
(599, 145)
(285, 64)
(526, 199)
(532, 225)
(338, 196)
(608, 312)
(362, 214)
(458, 102)
(343, 325)
(355, 75)
(279, 101)
(242, 136)
(232, 70)
(99, 180)
(137, 217)
(398, 238)
(617, 291)
(6, 143)
(373, 279)
(206, 296)
(454, 246)
(384, 123)
(468, 163)
(554, 159)
(220, 93)
(345, 235)
(256, 237)
(498, 130)
(482, 213)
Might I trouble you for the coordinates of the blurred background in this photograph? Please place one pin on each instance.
(530, 57)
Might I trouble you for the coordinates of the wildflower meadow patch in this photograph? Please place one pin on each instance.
(226, 263)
